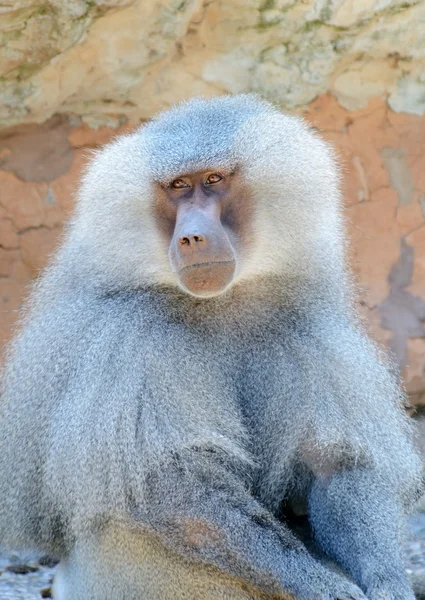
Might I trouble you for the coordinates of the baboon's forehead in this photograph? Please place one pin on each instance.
(198, 135)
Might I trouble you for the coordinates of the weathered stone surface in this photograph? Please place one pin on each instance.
(27, 150)
(36, 247)
(110, 61)
(8, 236)
(28, 204)
(11, 296)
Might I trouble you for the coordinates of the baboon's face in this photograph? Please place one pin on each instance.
(206, 219)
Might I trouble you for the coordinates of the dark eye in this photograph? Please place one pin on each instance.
(213, 178)
(179, 183)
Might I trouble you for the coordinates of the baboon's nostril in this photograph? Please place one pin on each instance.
(191, 240)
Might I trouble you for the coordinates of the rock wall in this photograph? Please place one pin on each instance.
(112, 60)
(74, 73)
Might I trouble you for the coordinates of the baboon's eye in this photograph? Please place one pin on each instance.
(179, 184)
(213, 178)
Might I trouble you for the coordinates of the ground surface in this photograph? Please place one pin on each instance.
(24, 578)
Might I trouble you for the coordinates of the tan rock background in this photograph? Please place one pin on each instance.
(74, 73)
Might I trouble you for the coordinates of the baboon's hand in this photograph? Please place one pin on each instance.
(311, 580)
(391, 590)
(344, 589)
(340, 588)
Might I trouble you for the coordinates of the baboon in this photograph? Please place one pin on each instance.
(190, 378)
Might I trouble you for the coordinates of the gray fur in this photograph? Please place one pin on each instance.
(152, 439)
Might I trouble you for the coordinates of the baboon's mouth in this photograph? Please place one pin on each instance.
(207, 278)
(207, 264)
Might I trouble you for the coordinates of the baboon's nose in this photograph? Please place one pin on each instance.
(194, 241)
